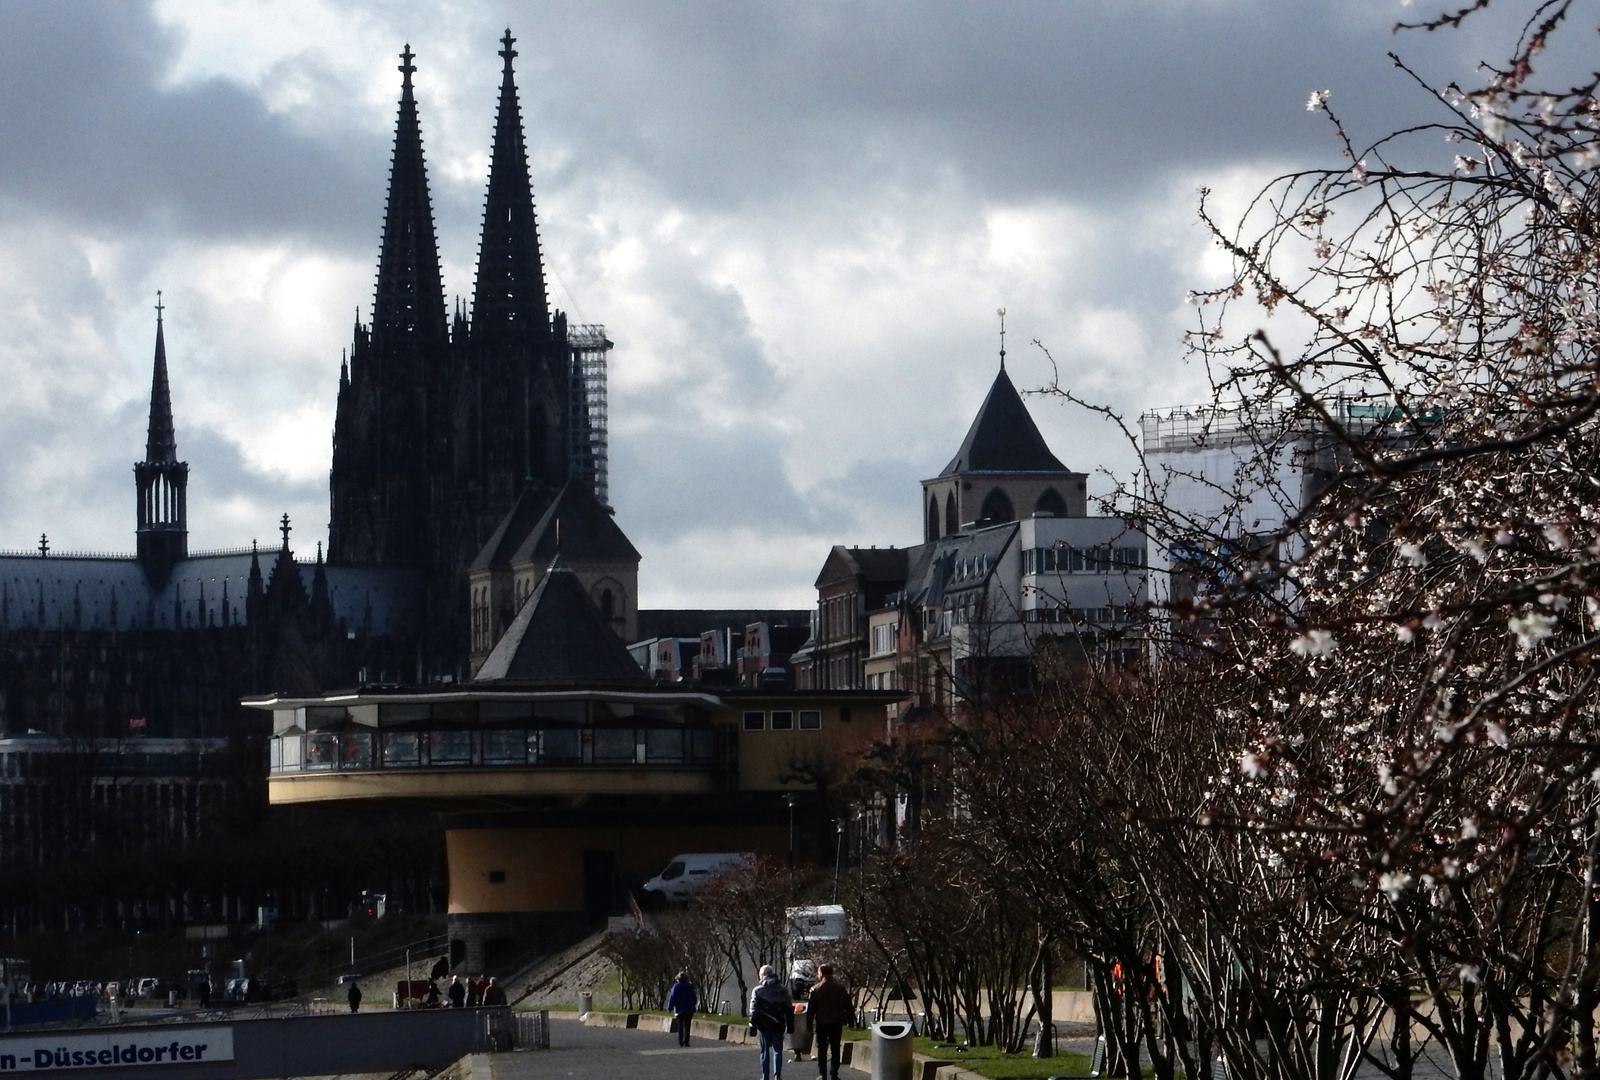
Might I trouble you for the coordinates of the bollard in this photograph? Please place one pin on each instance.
(172, 999)
(891, 1050)
(584, 1000)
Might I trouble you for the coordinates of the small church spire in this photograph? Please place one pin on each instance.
(161, 481)
(1002, 313)
(161, 442)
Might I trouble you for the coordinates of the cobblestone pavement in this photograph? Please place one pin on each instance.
(579, 1052)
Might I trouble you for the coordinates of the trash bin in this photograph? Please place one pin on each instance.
(172, 999)
(584, 1000)
(891, 1050)
(800, 1037)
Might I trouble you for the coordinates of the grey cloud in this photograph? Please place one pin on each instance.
(89, 133)
(1020, 98)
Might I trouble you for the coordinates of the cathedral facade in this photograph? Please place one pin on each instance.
(468, 447)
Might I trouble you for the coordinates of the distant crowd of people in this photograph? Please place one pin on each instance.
(468, 993)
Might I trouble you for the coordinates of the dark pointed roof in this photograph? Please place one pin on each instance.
(509, 300)
(587, 531)
(410, 300)
(514, 528)
(559, 636)
(1003, 437)
(161, 444)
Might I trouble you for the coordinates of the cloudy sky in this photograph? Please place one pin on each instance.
(796, 221)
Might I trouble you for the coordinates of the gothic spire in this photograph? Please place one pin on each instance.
(161, 444)
(410, 299)
(509, 300)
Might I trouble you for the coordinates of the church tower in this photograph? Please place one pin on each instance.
(389, 432)
(443, 423)
(516, 387)
(161, 480)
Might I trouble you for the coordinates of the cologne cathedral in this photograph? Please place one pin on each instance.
(461, 439)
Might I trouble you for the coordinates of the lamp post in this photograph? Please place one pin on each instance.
(790, 800)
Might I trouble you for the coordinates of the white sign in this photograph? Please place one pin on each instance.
(48, 1052)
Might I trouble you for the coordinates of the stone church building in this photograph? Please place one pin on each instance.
(469, 446)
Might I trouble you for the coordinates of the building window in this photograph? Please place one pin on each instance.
(782, 720)
(755, 721)
(810, 719)
(884, 637)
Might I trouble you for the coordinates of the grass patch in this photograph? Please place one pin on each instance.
(989, 1061)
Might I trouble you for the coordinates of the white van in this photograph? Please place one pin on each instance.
(685, 874)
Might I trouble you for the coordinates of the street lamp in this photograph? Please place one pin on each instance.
(790, 800)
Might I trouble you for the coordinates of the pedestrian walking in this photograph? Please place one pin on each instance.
(355, 997)
(457, 993)
(771, 1018)
(494, 994)
(682, 1000)
(474, 992)
(830, 1009)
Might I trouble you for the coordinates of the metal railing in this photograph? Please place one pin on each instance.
(566, 747)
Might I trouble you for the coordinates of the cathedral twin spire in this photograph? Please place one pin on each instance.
(510, 295)
(409, 306)
(509, 299)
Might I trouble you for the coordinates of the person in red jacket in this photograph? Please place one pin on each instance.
(830, 1009)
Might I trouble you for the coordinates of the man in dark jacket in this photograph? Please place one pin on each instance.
(354, 996)
(830, 1009)
(681, 1003)
(771, 1017)
(457, 993)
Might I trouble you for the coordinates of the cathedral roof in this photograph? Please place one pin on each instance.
(1003, 437)
(576, 525)
(513, 529)
(559, 636)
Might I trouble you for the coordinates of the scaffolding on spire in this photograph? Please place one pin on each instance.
(588, 455)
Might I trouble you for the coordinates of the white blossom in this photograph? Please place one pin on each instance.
(1470, 973)
(1313, 643)
(1252, 765)
(1531, 628)
(1469, 829)
(1317, 101)
(1413, 554)
(1393, 883)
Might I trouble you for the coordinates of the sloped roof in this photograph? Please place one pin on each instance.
(559, 636)
(588, 531)
(514, 528)
(878, 566)
(1003, 437)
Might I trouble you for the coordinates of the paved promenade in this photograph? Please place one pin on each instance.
(580, 1052)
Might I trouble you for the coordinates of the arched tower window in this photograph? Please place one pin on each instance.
(933, 519)
(951, 525)
(997, 507)
(1051, 502)
(608, 605)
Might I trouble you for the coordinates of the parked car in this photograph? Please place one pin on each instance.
(235, 990)
(686, 874)
(146, 987)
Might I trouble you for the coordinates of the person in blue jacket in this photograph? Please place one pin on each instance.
(681, 1003)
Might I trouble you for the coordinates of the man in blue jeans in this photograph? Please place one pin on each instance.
(771, 1017)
